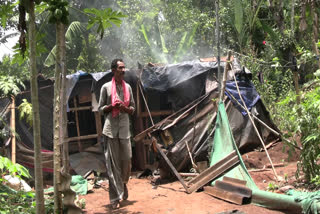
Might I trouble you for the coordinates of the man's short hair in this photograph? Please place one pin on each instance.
(114, 63)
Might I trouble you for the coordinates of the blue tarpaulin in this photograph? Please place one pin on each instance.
(248, 93)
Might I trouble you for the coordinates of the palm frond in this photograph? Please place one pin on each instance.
(10, 35)
(74, 30)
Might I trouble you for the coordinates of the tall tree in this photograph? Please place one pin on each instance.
(60, 16)
(29, 5)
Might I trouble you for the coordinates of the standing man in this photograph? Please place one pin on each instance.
(116, 103)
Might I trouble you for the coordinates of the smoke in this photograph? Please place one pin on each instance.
(149, 34)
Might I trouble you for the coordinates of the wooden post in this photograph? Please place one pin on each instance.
(13, 130)
(98, 126)
(226, 69)
(154, 142)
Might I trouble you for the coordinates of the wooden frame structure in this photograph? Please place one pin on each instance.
(97, 116)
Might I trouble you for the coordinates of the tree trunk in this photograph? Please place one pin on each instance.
(277, 9)
(56, 122)
(36, 114)
(63, 104)
(303, 23)
(218, 41)
(62, 175)
(292, 18)
(294, 69)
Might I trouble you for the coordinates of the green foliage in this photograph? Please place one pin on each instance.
(272, 187)
(303, 121)
(90, 59)
(184, 45)
(74, 30)
(16, 201)
(9, 168)
(104, 19)
(9, 68)
(9, 85)
(5, 10)
(25, 109)
(58, 11)
(316, 180)
(165, 32)
(40, 49)
(4, 130)
(12, 201)
(242, 24)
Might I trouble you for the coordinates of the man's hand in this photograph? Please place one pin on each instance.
(108, 108)
(126, 109)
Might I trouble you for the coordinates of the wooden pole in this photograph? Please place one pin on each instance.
(145, 101)
(226, 69)
(13, 130)
(154, 142)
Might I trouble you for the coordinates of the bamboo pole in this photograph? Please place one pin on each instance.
(264, 146)
(13, 130)
(190, 155)
(145, 101)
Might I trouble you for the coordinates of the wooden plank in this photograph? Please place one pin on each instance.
(170, 165)
(85, 137)
(234, 180)
(156, 113)
(215, 171)
(211, 168)
(234, 188)
(81, 108)
(186, 174)
(227, 196)
(189, 107)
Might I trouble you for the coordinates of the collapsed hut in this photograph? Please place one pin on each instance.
(175, 111)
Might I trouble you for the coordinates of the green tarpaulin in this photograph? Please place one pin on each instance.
(224, 144)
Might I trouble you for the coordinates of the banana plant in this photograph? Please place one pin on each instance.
(245, 20)
(101, 18)
(74, 30)
(185, 44)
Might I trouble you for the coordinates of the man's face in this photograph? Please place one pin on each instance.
(119, 72)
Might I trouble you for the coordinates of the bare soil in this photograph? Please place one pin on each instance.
(172, 198)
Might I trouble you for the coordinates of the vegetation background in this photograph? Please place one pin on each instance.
(277, 40)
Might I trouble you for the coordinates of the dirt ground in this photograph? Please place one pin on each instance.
(172, 198)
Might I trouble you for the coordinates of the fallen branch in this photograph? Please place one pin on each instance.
(267, 166)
